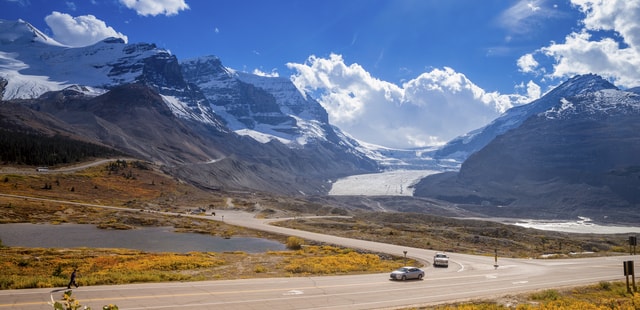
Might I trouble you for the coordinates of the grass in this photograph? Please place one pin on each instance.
(462, 236)
(601, 296)
(49, 267)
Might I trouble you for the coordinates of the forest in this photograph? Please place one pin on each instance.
(22, 148)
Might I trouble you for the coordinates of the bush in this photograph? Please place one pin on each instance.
(605, 285)
(70, 303)
(294, 243)
(546, 295)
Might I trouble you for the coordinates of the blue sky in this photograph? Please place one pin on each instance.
(398, 73)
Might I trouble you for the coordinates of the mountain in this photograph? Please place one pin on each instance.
(575, 155)
(266, 107)
(137, 98)
(35, 64)
(462, 147)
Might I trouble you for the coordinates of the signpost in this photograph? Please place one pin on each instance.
(628, 271)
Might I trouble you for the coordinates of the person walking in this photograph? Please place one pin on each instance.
(73, 279)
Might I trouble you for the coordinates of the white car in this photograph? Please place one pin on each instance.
(440, 260)
(406, 273)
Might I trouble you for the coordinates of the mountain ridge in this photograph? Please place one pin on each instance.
(575, 156)
(135, 97)
(462, 147)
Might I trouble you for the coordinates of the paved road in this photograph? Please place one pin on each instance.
(468, 277)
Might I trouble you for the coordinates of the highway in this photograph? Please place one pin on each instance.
(468, 277)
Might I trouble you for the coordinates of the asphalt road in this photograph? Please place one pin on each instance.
(468, 277)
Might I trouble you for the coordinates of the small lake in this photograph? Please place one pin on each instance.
(150, 239)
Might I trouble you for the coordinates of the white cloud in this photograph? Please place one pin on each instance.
(428, 110)
(527, 63)
(533, 91)
(156, 7)
(259, 72)
(614, 54)
(79, 31)
(21, 2)
(71, 5)
(523, 15)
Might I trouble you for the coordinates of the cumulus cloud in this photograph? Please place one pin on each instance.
(259, 72)
(428, 110)
(614, 53)
(527, 63)
(81, 30)
(156, 7)
(531, 89)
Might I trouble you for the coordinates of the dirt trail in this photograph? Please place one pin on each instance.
(65, 169)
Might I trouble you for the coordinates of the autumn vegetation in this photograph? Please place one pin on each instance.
(601, 296)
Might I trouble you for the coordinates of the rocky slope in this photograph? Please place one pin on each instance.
(576, 155)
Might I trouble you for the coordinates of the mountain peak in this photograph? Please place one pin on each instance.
(114, 40)
(22, 32)
(461, 147)
(212, 65)
(581, 84)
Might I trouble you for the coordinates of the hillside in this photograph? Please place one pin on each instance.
(576, 156)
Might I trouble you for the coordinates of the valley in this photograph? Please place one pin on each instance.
(139, 195)
(197, 276)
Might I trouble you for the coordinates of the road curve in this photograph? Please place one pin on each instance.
(468, 277)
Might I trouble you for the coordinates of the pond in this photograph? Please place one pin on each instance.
(150, 239)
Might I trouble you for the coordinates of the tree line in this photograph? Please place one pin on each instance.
(40, 150)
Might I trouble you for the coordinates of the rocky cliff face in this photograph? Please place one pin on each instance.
(269, 106)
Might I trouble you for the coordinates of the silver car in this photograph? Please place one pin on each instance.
(406, 273)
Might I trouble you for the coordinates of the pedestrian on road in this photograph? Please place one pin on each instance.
(73, 279)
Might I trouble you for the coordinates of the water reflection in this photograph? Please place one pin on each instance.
(151, 239)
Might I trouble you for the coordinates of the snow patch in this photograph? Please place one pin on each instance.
(260, 136)
(583, 225)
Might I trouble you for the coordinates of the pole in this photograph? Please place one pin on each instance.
(633, 275)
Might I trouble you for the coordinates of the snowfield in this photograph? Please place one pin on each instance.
(391, 183)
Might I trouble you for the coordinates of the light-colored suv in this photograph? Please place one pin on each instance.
(440, 260)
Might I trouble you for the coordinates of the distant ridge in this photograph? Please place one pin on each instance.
(576, 154)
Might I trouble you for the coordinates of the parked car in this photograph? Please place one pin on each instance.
(406, 273)
(440, 259)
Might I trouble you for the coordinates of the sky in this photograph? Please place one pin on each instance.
(396, 73)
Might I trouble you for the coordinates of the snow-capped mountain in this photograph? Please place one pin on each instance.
(264, 108)
(32, 64)
(138, 99)
(272, 108)
(462, 147)
(574, 152)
